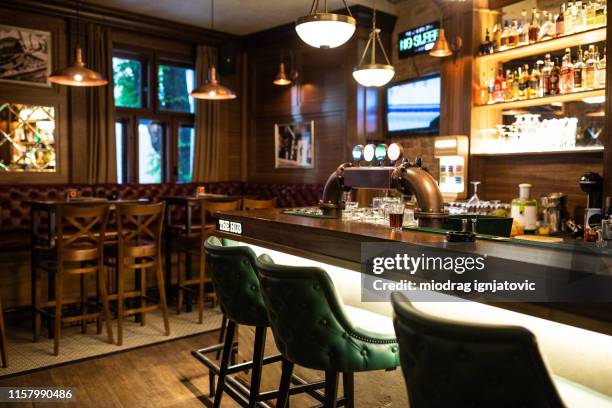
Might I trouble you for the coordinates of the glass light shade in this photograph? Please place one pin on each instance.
(212, 89)
(281, 78)
(374, 74)
(77, 75)
(325, 30)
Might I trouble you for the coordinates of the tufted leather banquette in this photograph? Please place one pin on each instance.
(15, 212)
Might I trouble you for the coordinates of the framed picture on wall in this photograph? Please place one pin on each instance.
(294, 145)
(25, 56)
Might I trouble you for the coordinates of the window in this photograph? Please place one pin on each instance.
(186, 146)
(127, 77)
(174, 86)
(27, 138)
(154, 130)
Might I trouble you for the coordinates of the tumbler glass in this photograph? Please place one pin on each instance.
(396, 215)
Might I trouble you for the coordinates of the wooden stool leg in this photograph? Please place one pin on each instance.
(83, 302)
(348, 382)
(120, 300)
(3, 345)
(36, 303)
(179, 279)
(285, 383)
(225, 360)
(258, 355)
(201, 287)
(162, 293)
(105, 303)
(143, 295)
(59, 294)
(331, 389)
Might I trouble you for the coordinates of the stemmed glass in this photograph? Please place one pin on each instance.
(474, 201)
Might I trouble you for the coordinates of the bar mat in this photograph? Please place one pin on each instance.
(310, 212)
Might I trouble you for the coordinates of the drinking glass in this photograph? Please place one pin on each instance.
(396, 215)
(474, 200)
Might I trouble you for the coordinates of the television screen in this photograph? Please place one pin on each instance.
(414, 106)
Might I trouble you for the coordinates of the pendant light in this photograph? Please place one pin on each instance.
(76, 74)
(212, 89)
(374, 74)
(325, 30)
(281, 78)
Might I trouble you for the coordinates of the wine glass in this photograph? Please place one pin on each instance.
(474, 201)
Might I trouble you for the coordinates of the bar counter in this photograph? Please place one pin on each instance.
(563, 329)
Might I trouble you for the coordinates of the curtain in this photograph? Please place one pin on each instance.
(209, 143)
(101, 150)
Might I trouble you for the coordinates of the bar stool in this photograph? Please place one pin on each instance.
(193, 244)
(3, 345)
(252, 204)
(448, 363)
(139, 232)
(313, 328)
(79, 251)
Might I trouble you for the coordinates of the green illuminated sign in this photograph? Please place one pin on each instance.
(418, 40)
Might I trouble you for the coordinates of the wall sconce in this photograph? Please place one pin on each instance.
(443, 48)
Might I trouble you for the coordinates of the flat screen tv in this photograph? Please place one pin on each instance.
(413, 107)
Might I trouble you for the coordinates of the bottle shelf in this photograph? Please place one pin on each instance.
(546, 100)
(567, 41)
(577, 150)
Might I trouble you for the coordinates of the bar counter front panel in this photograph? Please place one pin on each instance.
(576, 344)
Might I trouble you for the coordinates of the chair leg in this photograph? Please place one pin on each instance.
(59, 289)
(36, 304)
(162, 293)
(120, 299)
(285, 383)
(179, 287)
(222, 334)
(3, 345)
(201, 288)
(331, 389)
(105, 303)
(83, 303)
(225, 359)
(348, 383)
(143, 295)
(258, 355)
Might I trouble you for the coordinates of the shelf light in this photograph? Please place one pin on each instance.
(595, 99)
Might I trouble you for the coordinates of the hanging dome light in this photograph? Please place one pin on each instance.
(281, 78)
(325, 30)
(76, 74)
(212, 89)
(374, 74)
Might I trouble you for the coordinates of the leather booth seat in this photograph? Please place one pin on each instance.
(15, 211)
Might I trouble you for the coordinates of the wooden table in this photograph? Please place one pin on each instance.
(37, 237)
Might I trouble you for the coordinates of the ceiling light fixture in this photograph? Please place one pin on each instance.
(212, 89)
(281, 78)
(325, 30)
(374, 74)
(76, 74)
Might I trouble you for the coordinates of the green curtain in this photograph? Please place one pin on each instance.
(101, 149)
(209, 143)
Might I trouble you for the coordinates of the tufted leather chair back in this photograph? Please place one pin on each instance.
(452, 364)
(236, 283)
(310, 325)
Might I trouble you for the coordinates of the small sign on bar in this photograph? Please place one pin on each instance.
(232, 227)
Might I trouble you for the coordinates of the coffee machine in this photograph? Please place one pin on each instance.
(592, 184)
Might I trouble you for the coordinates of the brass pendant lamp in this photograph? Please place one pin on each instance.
(76, 74)
(281, 78)
(324, 29)
(373, 74)
(212, 89)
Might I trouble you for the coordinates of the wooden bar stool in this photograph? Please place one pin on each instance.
(193, 244)
(139, 232)
(252, 204)
(79, 251)
(3, 345)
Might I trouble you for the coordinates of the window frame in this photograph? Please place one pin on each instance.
(171, 120)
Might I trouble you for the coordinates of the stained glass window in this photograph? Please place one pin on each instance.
(27, 138)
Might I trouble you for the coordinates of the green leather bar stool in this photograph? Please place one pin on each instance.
(314, 329)
(448, 363)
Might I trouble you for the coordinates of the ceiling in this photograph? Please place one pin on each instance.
(238, 17)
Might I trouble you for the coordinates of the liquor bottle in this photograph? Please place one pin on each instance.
(600, 13)
(560, 23)
(548, 29)
(567, 73)
(579, 17)
(555, 78)
(508, 85)
(570, 10)
(546, 76)
(492, 87)
(589, 57)
(591, 15)
(534, 27)
(601, 71)
(503, 41)
(496, 38)
(513, 39)
(579, 72)
(484, 46)
(524, 83)
(499, 87)
(534, 83)
(523, 29)
(515, 84)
